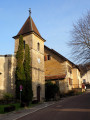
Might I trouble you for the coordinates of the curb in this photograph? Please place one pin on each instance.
(33, 111)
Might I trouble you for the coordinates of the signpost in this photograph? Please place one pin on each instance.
(21, 87)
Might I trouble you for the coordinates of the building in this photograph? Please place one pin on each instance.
(57, 68)
(85, 73)
(32, 37)
(61, 71)
(86, 78)
(7, 73)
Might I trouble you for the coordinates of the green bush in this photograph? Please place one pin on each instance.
(8, 96)
(51, 90)
(23, 72)
(26, 93)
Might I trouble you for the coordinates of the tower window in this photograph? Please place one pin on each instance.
(49, 57)
(38, 46)
(24, 43)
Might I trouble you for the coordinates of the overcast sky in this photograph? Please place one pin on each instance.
(53, 18)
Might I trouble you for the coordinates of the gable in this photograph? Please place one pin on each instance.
(48, 51)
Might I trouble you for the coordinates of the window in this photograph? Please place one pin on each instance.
(69, 69)
(38, 46)
(49, 57)
(24, 43)
(84, 81)
(70, 81)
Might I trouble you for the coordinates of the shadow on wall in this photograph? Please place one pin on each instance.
(1, 93)
(38, 91)
(9, 75)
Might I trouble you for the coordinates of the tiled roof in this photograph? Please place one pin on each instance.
(28, 27)
(55, 77)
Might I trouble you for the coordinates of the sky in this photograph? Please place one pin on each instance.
(53, 18)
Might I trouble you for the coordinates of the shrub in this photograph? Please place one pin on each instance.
(51, 90)
(26, 93)
(8, 96)
(23, 72)
(9, 108)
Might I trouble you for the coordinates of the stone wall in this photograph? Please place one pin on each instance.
(54, 66)
(60, 66)
(77, 82)
(7, 79)
(37, 62)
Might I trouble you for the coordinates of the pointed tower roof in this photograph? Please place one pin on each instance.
(28, 27)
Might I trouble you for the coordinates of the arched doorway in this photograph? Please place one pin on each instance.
(38, 93)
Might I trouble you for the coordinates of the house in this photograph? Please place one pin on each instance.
(86, 77)
(85, 73)
(61, 71)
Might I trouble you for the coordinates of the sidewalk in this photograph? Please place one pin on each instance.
(20, 113)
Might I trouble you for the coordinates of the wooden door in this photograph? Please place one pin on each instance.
(38, 93)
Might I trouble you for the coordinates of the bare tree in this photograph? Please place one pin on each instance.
(84, 68)
(80, 42)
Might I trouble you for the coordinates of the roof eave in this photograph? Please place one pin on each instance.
(54, 79)
(17, 36)
(55, 52)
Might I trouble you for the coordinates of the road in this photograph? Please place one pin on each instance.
(72, 108)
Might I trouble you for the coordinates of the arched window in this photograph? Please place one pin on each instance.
(38, 46)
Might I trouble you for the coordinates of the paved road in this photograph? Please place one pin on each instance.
(73, 108)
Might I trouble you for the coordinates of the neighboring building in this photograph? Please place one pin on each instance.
(86, 77)
(77, 81)
(85, 73)
(61, 71)
(7, 71)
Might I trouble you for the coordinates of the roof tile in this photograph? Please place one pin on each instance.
(29, 26)
(55, 77)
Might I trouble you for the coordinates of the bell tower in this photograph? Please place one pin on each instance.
(32, 37)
